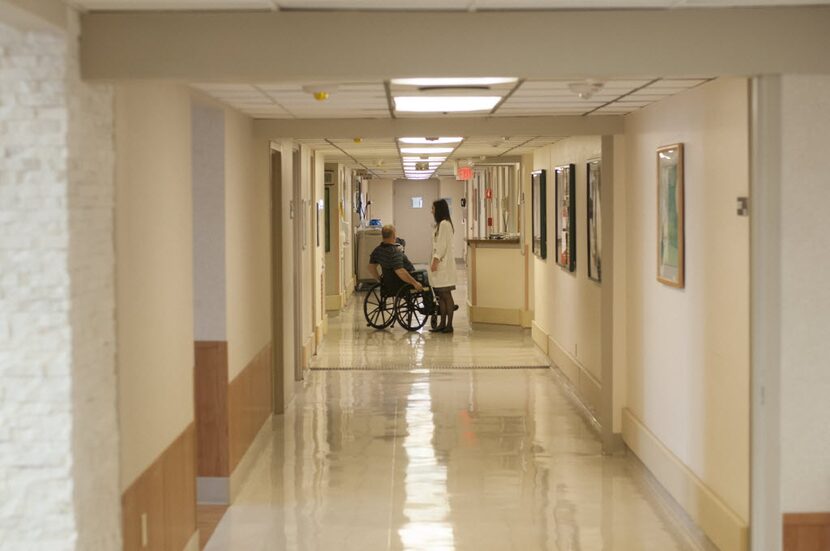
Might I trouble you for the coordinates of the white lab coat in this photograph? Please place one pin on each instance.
(442, 249)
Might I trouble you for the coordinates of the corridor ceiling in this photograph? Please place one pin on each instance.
(247, 58)
(374, 99)
(381, 156)
(445, 5)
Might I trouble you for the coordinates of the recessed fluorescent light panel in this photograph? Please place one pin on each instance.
(423, 159)
(425, 150)
(429, 141)
(445, 104)
(481, 81)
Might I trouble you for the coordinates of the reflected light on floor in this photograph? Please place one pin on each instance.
(427, 503)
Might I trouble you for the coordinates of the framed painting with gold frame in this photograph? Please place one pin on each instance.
(671, 261)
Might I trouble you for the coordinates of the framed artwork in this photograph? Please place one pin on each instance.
(565, 177)
(671, 263)
(539, 211)
(594, 221)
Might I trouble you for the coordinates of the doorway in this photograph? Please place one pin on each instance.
(413, 216)
(298, 249)
(277, 325)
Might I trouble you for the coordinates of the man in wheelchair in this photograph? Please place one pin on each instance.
(397, 270)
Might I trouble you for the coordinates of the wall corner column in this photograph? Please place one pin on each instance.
(765, 312)
(611, 441)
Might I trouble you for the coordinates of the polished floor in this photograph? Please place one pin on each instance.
(440, 457)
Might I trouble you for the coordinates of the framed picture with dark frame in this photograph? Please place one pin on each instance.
(671, 261)
(594, 171)
(565, 183)
(539, 213)
(327, 216)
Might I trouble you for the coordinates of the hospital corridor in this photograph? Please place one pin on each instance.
(421, 275)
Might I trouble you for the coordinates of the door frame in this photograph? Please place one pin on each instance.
(275, 166)
(297, 248)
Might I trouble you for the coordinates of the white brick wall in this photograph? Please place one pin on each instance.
(91, 172)
(58, 431)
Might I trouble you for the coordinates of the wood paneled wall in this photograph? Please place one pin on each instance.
(166, 493)
(249, 404)
(211, 381)
(807, 532)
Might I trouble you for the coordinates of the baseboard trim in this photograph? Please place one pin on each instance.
(527, 318)
(589, 388)
(213, 490)
(539, 337)
(496, 316)
(308, 352)
(717, 520)
(193, 543)
(240, 474)
(335, 302)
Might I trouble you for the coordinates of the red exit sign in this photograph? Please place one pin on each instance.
(464, 173)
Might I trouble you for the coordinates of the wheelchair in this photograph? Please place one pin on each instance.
(384, 305)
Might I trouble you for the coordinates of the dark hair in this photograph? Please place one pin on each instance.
(442, 212)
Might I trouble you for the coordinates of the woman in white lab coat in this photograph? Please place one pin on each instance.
(442, 276)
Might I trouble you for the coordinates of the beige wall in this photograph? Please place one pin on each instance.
(688, 349)
(805, 295)
(247, 245)
(37, 15)
(153, 242)
(381, 194)
(568, 303)
(306, 239)
(208, 171)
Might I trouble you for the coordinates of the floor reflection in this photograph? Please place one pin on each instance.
(450, 460)
(426, 503)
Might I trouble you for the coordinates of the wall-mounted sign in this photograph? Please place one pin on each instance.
(417, 202)
(464, 173)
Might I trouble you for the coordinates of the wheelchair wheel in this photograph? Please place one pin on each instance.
(410, 308)
(378, 308)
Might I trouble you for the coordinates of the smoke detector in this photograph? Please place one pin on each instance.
(321, 92)
(586, 88)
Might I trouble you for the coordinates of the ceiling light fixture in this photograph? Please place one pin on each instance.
(426, 150)
(423, 158)
(445, 104)
(478, 81)
(425, 141)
